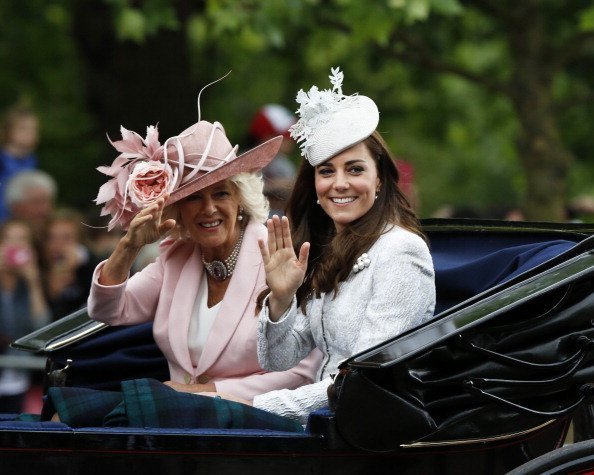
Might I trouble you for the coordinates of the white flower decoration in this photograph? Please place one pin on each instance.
(316, 107)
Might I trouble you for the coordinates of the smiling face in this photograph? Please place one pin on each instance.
(210, 217)
(346, 185)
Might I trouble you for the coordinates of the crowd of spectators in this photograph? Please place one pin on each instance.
(47, 253)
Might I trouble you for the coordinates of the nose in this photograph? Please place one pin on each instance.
(341, 181)
(209, 206)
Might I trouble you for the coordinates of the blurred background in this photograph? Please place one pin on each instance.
(488, 102)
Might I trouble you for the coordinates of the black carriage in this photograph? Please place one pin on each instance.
(492, 382)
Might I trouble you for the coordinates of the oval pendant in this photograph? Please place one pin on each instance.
(218, 270)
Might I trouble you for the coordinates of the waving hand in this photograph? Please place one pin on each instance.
(284, 270)
(146, 227)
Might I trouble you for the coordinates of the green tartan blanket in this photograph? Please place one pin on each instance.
(149, 403)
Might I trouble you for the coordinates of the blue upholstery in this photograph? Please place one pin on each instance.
(477, 264)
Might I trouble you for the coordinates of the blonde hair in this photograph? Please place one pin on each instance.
(251, 195)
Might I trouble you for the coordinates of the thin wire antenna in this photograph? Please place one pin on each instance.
(209, 84)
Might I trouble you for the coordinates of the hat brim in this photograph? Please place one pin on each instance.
(251, 161)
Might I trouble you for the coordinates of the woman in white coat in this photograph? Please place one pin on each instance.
(352, 269)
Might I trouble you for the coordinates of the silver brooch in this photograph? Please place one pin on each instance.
(362, 262)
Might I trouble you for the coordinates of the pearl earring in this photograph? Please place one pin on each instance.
(318, 201)
(240, 214)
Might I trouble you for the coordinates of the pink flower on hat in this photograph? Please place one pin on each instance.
(139, 175)
(149, 181)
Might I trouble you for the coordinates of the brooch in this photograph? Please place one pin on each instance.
(362, 262)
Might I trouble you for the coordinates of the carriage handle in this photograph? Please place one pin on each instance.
(586, 391)
(583, 343)
(486, 382)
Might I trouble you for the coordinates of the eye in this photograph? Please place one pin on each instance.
(325, 171)
(222, 194)
(192, 198)
(356, 169)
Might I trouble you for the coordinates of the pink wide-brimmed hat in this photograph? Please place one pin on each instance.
(145, 170)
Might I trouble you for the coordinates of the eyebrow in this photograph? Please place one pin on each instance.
(348, 162)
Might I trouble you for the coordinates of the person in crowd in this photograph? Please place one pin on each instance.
(23, 308)
(352, 269)
(270, 121)
(19, 136)
(207, 204)
(30, 196)
(68, 263)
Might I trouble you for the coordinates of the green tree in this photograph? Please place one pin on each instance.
(40, 66)
(519, 57)
(488, 98)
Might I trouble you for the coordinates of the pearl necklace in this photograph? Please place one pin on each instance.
(221, 270)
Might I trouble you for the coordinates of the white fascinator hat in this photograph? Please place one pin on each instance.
(330, 122)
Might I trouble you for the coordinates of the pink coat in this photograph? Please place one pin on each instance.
(166, 289)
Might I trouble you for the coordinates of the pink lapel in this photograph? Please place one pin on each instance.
(248, 274)
(189, 273)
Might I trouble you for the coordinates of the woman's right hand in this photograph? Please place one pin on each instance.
(284, 270)
(147, 226)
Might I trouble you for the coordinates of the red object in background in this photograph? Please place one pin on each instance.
(16, 256)
(407, 177)
(270, 121)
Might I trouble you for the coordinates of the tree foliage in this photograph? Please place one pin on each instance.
(40, 67)
(489, 99)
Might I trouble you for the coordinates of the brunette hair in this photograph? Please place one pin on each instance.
(332, 255)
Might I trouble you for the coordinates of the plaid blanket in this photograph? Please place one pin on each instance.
(149, 403)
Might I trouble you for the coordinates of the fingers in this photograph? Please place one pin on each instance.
(153, 214)
(166, 226)
(271, 236)
(304, 254)
(160, 203)
(264, 251)
(279, 234)
(278, 231)
(286, 233)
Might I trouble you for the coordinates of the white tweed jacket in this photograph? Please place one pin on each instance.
(396, 292)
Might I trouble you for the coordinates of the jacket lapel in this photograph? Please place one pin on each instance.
(237, 298)
(180, 313)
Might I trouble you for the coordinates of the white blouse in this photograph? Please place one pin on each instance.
(201, 322)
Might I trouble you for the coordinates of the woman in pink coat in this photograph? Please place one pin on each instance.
(206, 205)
